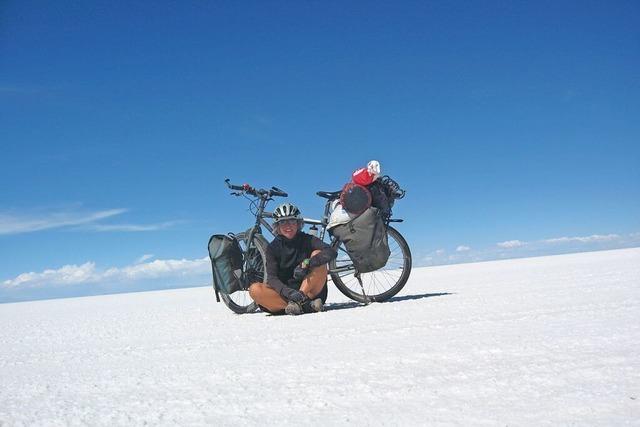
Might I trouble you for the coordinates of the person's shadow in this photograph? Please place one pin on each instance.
(354, 304)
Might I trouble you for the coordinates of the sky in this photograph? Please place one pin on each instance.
(513, 127)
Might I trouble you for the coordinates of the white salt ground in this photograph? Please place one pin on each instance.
(539, 341)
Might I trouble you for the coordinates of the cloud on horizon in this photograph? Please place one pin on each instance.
(148, 274)
(511, 244)
(87, 273)
(518, 248)
(586, 239)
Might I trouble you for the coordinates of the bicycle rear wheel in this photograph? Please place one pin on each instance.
(254, 270)
(379, 285)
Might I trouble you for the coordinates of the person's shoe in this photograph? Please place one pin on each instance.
(293, 308)
(313, 306)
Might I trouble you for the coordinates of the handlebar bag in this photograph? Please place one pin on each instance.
(365, 238)
(226, 263)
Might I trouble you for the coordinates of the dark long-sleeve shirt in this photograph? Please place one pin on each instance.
(283, 255)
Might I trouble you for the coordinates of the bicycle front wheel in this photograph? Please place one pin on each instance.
(254, 270)
(379, 285)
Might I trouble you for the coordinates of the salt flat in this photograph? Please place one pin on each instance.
(537, 341)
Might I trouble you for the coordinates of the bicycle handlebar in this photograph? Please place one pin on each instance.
(278, 192)
(275, 191)
(233, 187)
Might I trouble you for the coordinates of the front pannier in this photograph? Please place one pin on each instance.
(226, 263)
(365, 238)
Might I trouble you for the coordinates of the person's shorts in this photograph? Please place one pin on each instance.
(322, 295)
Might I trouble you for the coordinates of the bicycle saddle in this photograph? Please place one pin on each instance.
(329, 194)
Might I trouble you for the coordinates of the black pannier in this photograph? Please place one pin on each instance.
(380, 198)
(365, 238)
(384, 192)
(226, 263)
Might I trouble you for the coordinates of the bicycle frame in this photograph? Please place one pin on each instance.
(322, 230)
(342, 271)
(266, 195)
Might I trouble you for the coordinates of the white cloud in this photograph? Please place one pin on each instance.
(595, 238)
(587, 239)
(66, 275)
(77, 219)
(129, 227)
(15, 224)
(520, 248)
(160, 268)
(435, 257)
(88, 274)
(144, 258)
(509, 244)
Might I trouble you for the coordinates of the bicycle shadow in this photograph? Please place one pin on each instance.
(353, 304)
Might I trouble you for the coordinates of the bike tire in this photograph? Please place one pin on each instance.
(255, 268)
(381, 284)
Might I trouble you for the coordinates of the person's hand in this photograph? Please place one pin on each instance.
(295, 295)
(301, 270)
(300, 273)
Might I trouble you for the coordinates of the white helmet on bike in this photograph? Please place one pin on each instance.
(286, 211)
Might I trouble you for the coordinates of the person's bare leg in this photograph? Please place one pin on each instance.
(267, 297)
(315, 280)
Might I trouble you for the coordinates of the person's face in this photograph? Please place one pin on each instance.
(288, 228)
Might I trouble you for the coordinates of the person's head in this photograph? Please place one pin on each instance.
(287, 220)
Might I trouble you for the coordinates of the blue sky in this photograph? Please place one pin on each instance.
(513, 126)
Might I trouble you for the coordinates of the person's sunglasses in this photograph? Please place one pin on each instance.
(288, 222)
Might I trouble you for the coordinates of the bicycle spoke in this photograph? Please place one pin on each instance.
(253, 270)
(381, 284)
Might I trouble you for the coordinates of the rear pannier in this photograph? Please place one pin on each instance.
(365, 238)
(226, 263)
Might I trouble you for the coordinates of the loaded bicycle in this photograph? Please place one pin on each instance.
(375, 286)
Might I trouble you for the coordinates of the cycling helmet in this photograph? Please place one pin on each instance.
(286, 211)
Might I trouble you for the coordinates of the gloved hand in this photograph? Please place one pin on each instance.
(301, 270)
(294, 295)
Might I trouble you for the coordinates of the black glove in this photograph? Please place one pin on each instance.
(300, 273)
(294, 295)
(301, 270)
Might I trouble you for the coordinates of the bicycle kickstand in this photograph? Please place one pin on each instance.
(366, 298)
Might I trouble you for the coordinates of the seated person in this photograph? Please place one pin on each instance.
(296, 268)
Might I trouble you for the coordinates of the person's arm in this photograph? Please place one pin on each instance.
(326, 254)
(276, 284)
(272, 272)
